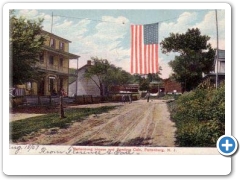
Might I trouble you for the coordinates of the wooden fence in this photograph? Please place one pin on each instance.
(55, 100)
(38, 100)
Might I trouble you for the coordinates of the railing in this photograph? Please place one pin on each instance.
(52, 67)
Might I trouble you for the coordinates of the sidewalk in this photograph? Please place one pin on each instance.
(20, 116)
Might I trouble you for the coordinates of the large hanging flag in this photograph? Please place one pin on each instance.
(144, 49)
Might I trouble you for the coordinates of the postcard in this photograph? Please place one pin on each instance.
(147, 81)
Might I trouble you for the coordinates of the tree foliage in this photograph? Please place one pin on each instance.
(107, 75)
(26, 42)
(196, 56)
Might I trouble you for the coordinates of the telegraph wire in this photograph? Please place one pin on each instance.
(97, 20)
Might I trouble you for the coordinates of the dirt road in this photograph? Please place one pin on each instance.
(136, 124)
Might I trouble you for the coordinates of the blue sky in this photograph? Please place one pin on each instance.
(106, 33)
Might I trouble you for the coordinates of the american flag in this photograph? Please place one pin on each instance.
(144, 49)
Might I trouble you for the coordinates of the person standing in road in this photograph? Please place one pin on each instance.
(148, 96)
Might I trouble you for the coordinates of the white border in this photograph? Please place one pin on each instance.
(115, 165)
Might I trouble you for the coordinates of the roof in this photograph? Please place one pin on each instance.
(85, 66)
(58, 37)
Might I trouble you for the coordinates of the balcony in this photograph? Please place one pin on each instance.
(50, 67)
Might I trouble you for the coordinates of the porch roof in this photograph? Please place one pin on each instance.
(60, 52)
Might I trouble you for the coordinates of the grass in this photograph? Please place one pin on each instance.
(21, 128)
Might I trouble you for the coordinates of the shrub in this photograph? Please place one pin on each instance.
(199, 116)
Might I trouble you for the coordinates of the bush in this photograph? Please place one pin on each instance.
(200, 117)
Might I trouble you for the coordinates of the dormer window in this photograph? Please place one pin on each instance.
(61, 46)
(52, 43)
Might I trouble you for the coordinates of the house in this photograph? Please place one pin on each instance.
(54, 66)
(219, 69)
(83, 85)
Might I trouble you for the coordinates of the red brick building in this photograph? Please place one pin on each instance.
(170, 86)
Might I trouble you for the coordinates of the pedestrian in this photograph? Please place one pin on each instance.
(63, 93)
(130, 98)
(148, 96)
(123, 98)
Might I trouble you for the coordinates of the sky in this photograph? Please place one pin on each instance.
(106, 33)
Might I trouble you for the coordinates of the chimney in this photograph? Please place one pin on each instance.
(89, 62)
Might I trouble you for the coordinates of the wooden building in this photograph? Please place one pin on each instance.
(54, 65)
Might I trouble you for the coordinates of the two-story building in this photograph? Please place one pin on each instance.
(54, 67)
(82, 85)
(219, 69)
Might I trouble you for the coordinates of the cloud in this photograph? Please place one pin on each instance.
(104, 41)
(208, 27)
(184, 21)
(28, 13)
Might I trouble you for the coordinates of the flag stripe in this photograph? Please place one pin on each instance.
(149, 53)
(136, 49)
(153, 57)
(140, 49)
(145, 60)
(132, 39)
(156, 58)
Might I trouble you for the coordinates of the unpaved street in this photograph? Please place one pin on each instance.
(136, 124)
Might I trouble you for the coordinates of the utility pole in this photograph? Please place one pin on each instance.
(61, 107)
(52, 23)
(217, 50)
(76, 78)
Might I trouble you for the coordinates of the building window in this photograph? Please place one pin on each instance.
(222, 67)
(61, 83)
(61, 46)
(29, 85)
(61, 62)
(51, 60)
(51, 84)
(41, 57)
(52, 43)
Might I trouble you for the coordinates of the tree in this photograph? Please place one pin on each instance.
(99, 69)
(153, 77)
(144, 85)
(26, 43)
(107, 75)
(196, 56)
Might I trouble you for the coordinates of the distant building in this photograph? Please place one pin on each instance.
(171, 86)
(219, 68)
(84, 86)
(54, 65)
(128, 88)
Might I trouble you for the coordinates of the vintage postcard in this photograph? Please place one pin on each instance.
(142, 79)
